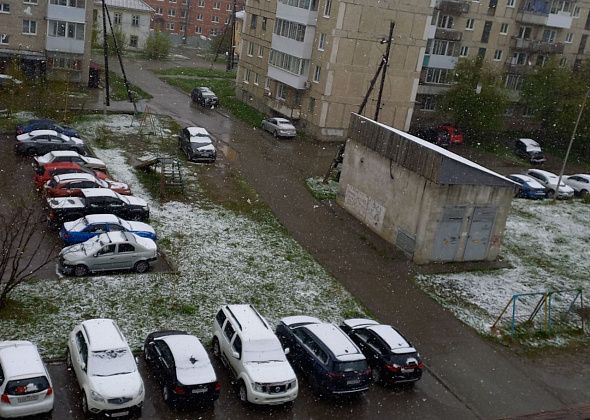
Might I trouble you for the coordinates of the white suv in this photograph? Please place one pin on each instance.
(25, 385)
(105, 368)
(245, 342)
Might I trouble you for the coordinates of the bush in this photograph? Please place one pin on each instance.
(157, 46)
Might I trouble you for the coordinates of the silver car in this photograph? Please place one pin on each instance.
(108, 251)
(279, 127)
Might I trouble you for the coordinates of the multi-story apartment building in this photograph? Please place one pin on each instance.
(312, 60)
(131, 17)
(47, 37)
(188, 18)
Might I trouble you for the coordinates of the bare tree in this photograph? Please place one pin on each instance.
(25, 247)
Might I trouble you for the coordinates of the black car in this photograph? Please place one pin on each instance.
(437, 136)
(196, 143)
(391, 357)
(46, 124)
(332, 362)
(96, 201)
(530, 150)
(205, 97)
(39, 142)
(181, 364)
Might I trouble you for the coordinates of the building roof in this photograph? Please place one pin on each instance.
(127, 4)
(424, 158)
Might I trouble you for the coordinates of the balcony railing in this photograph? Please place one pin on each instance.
(452, 7)
(448, 34)
(514, 68)
(536, 46)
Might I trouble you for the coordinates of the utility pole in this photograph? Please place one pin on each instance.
(105, 46)
(386, 60)
(186, 20)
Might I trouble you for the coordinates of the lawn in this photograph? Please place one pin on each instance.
(198, 73)
(118, 91)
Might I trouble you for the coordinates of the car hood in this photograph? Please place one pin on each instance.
(117, 185)
(42, 160)
(94, 161)
(78, 251)
(202, 374)
(270, 372)
(116, 386)
(135, 201)
(140, 227)
(65, 202)
(203, 148)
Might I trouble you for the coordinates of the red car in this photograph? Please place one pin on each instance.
(70, 185)
(44, 173)
(455, 133)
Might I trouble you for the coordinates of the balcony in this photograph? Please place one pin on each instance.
(514, 68)
(295, 81)
(537, 47)
(293, 112)
(448, 34)
(66, 45)
(539, 17)
(452, 7)
(65, 13)
(297, 14)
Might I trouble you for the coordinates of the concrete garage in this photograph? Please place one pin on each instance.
(433, 204)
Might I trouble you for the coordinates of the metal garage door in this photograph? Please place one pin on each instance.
(480, 231)
(448, 235)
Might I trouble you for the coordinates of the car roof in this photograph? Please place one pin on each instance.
(77, 175)
(529, 142)
(250, 322)
(300, 319)
(197, 131)
(392, 338)
(205, 89)
(359, 322)
(585, 176)
(542, 172)
(116, 237)
(98, 192)
(336, 341)
(282, 120)
(20, 358)
(102, 218)
(184, 347)
(35, 133)
(103, 334)
(64, 153)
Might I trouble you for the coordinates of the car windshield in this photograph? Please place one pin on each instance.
(199, 142)
(111, 362)
(262, 352)
(80, 224)
(208, 94)
(284, 123)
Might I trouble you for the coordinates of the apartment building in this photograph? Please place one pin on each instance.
(188, 18)
(131, 17)
(47, 37)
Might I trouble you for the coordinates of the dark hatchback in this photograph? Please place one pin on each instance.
(333, 364)
(46, 125)
(530, 150)
(391, 357)
(196, 143)
(182, 366)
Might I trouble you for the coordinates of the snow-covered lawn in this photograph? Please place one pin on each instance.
(222, 257)
(549, 247)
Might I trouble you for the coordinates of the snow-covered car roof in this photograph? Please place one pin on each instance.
(197, 131)
(62, 153)
(529, 142)
(101, 218)
(534, 183)
(283, 121)
(585, 176)
(336, 340)
(20, 358)
(183, 348)
(77, 176)
(547, 174)
(37, 133)
(359, 322)
(99, 192)
(103, 334)
(9, 77)
(300, 319)
(253, 325)
(394, 340)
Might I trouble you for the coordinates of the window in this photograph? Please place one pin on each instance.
(443, 47)
(170, 26)
(281, 91)
(569, 37)
(263, 23)
(228, 7)
(260, 51)
(4, 39)
(4, 7)
(445, 22)
(220, 317)
(29, 27)
(201, 3)
(541, 60)
(117, 18)
(438, 76)
(246, 78)
(510, 3)
(470, 24)
(481, 53)
(487, 28)
(216, 5)
(288, 62)
(135, 20)
(59, 28)
(464, 51)
(159, 10)
(576, 13)
(228, 331)
(290, 29)
(504, 29)
(427, 102)
(322, 41)
(200, 16)
(311, 105)
(171, 12)
(198, 30)
(183, 13)
(524, 32)
(34, 2)
(513, 81)
(497, 55)
(109, 249)
(549, 35)
(583, 41)
(256, 79)
(133, 41)
(250, 49)
(215, 19)
(253, 21)
(317, 74)
(328, 8)
(126, 248)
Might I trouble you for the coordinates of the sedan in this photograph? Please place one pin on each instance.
(88, 227)
(529, 187)
(46, 125)
(69, 156)
(392, 358)
(108, 252)
(46, 172)
(579, 182)
(39, 142)
(549, 181)
(196, 143)
(279, 127)
(71, 185)
(182, 366)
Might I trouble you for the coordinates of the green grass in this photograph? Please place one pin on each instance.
(118, 91)
(198, 72)
(320, 190)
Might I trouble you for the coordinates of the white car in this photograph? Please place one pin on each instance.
(245, 342)
(105, 369)
(279, 127)
(25, 385)
(579, 182)
(70, 156)
(549, 181)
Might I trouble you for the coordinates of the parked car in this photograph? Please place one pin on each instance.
(25, 385)
(39, 142)
(88, 227)
(549, 181)
(44, 173)
(96, 201)
(434, 135)
(105, 368)
(46, 125)
(71, 185)
(530, 150)
(7, 80)
(391, 356)
(279, 127)
(579, 182)
(323, 352)
(196, 143)
(182, 366)
(108, 252)
(529, 187)
(205, 97)
(245, 342)
(455, 133)
(70, 156)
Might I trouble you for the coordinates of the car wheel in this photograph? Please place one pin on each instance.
(141, 266)
(243, 392)
(550, 193)
(276, 134)
(216, 351)
(166, 393)
(80, 270)
(377, 374)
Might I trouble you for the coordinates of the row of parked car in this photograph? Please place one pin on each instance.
(538, 184)
(336, 360)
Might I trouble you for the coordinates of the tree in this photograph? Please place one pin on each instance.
(119, 36)
(24, 249)
(476, 102)
(157, 45)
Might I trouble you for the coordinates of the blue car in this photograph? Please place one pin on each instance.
(529, 187)
(46, 125)
(87, 227)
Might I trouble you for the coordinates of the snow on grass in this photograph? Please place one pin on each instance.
(548, 246)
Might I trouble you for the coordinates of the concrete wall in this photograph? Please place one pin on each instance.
(391, 199)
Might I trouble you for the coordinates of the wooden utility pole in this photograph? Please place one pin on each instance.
(105, 46)
(386, 61)
(232, 39)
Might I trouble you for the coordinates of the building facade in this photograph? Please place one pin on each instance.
(47, 37)
(132, 17)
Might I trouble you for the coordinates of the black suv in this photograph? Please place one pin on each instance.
(96, 201)
(391, 356)
(435, 135)
(196, 143)
(530, 150)
(205, 97)
(333, 363)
